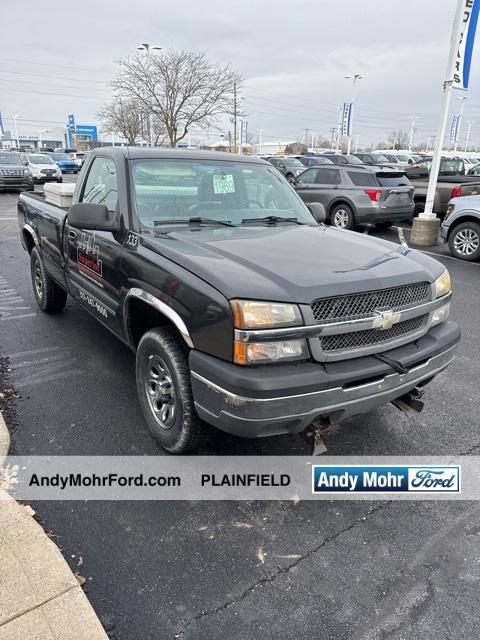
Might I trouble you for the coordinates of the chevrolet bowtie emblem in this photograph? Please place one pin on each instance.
(385, 320)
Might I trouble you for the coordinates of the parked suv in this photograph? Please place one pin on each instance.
(43, 167)
(313, 161)
(357, 194)
(13, 173)
(288, 167)
(374, 159)
(338, 158)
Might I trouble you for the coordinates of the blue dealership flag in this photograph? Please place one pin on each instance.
(347, 119)
(455, 128)
(2, 131)
(466, 41)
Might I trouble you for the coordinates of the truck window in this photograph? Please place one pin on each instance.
(176, 190)
(101, 184)
(361, 179)
(328, 176)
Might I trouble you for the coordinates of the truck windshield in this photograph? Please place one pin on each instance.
(10, 158)
(40, 159)
(177, 190)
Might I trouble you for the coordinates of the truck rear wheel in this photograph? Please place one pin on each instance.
(165, 392)
(49, 296)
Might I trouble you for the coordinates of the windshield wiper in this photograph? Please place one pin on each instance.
(194, 220)
(272, 219)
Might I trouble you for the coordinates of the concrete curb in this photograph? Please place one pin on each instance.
(4, 438)
(41, 598)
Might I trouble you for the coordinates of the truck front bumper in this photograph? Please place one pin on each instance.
(275, 399)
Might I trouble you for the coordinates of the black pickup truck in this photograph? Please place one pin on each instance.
(244, 314)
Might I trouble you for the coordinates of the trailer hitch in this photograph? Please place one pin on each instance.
(411, 403)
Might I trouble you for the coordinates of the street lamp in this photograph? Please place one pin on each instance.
(16, 128)
(146, 47)
(469, 122)
(462, 103)
(40, 142)
(413, 128)
(260, 143)
(355, 77)
(339, 128)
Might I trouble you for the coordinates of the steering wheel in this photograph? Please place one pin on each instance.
(198, 205)
(256, 202)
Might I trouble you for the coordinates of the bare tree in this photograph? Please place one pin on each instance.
(398, 139)
(180, 89)
(125, 118)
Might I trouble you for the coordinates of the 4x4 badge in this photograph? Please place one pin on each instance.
(385, 320)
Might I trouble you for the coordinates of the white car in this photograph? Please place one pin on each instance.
(43, 167)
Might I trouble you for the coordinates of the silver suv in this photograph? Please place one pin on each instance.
(354, 194)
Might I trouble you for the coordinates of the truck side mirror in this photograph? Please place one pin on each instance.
(317, 210)
(92, 217)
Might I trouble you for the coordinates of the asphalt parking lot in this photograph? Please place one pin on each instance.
(191, 570)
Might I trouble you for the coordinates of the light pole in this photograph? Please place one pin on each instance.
(395, 142)
(468, 133)
(462, 104)
(40, 141)
(314, 133)
(147, 47)
(357, 138)
(412, 131)
(260, 143)
(355, 77)
(15, 117)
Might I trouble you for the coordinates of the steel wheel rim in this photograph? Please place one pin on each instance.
(340, 218)
(38, 280)
(160, 392)
(466, 242)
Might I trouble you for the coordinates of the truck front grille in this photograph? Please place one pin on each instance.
(358, 305)
(370, 337)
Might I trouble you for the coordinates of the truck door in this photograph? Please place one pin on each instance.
(93, 258)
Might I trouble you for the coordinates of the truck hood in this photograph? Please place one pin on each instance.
(291, 263)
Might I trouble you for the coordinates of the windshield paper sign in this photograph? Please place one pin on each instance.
(374, 479)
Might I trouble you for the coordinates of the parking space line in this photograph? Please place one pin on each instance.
(19, 317)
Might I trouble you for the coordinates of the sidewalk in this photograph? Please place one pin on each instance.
(40, 598)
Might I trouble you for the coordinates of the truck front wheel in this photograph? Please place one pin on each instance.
(49, 296)
(165, 393)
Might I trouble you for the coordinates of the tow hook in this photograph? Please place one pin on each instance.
(410, 403)
(320, 427)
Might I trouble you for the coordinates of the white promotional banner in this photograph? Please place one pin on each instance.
(455, 128)
(347, 119)
(466, 40)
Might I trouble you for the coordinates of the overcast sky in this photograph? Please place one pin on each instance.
(58, 58)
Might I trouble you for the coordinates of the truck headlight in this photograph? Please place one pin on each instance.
(254, 314)
(443, 285)
(269, 352)
(440, 314)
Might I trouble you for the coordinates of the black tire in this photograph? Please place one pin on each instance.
(464, 241)
(49, 296)
(342, 217)
(59, 179)
(163, 385)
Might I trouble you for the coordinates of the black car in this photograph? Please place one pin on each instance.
(13, 173)
(338, 158)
